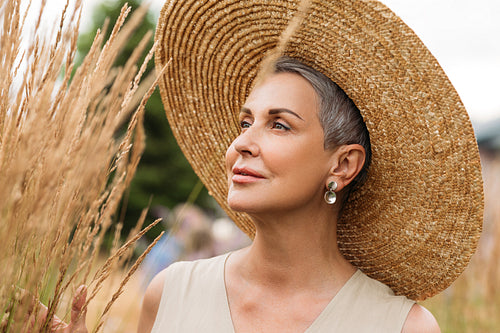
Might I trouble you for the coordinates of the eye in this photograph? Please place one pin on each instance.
(244, 124)
(280, 126)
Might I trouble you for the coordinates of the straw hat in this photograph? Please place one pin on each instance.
(415, 223)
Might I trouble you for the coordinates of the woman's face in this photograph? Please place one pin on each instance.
(278, 161)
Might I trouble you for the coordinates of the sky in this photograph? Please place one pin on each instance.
(464, 36)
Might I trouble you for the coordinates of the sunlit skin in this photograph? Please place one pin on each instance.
(280, 148)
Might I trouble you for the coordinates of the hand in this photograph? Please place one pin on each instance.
(28, 302)
(78, 315)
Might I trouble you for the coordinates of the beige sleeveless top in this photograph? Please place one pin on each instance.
(194, 300)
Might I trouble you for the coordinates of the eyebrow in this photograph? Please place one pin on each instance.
(273, 111)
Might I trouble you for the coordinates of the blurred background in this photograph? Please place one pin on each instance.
(464, 37)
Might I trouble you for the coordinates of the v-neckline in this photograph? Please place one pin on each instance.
(317, 321)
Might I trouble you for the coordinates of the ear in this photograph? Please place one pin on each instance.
(347, 162)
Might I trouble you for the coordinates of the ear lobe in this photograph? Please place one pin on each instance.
(348, 162)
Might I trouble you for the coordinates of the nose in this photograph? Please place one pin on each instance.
(247, 142)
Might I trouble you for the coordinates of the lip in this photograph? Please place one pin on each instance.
(244, 175)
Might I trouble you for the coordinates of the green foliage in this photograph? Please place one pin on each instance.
(164, 177)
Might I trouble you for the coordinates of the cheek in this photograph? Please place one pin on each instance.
(295, 157)
(301, 164)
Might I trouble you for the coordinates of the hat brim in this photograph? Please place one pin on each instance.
(415, 223)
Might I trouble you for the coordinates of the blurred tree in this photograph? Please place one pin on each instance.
(164, 176)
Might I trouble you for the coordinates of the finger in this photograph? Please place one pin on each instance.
(33, 312)
(37, 314)
(55, 322)
(29, 309)
(78, 310)
(24, 300)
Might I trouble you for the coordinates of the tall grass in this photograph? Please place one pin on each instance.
(63, 165)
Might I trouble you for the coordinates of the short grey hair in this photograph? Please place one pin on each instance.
(340, 118)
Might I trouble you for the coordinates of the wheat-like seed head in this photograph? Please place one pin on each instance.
(63, 169)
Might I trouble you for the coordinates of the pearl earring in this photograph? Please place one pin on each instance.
(330, 196)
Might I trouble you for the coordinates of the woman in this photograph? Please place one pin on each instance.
(287, 155)
(289, 279)
(292, 141)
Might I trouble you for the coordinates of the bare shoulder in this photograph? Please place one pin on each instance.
(420, 320)
(151, 303)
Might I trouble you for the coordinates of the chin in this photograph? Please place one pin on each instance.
(244, 205)
(237, 206)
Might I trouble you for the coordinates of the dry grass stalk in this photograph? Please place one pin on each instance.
(63, 169)
(131, 271)
(267, 66)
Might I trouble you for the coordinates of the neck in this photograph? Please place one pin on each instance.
(296, 249)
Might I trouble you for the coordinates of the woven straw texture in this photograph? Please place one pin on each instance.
(416, 222)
